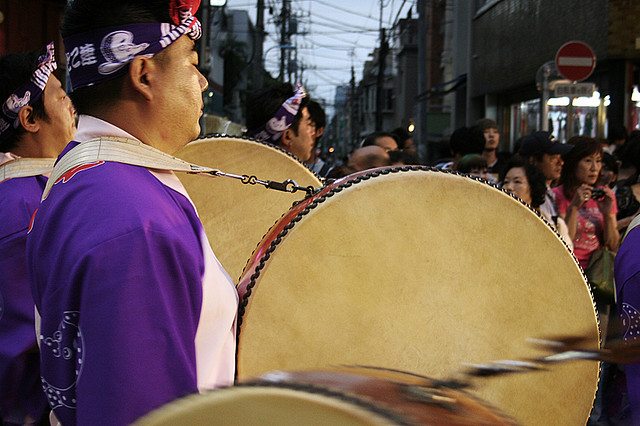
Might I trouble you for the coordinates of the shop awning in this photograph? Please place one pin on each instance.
(443, 89)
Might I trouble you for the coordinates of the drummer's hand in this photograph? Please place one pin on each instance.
(581, 196)
(606, 204)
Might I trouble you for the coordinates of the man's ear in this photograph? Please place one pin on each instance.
(28, 120)
(141, 75)
(286, 139)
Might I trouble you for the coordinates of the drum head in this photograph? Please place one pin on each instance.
(423, 271)
(236, 216)
(418, 399)
(267, 405)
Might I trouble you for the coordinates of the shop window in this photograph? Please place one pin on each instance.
(526, 117)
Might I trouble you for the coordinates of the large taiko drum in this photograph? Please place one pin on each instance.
(237, 216)
(420, 270)
(330, 397)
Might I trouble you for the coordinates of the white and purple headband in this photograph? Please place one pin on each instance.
(273, 129)
(27, 94)
(103, 54)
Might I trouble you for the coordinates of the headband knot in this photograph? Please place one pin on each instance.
(273, 129)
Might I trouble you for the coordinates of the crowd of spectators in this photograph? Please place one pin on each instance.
(587, 189)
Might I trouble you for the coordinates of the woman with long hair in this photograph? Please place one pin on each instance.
(589, 211)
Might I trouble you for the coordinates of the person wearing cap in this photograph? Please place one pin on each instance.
(37, 120)
(544, 151)
(135, 308)
(278, 115)
(489, 129)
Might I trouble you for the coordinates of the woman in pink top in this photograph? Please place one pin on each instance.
(590, 212)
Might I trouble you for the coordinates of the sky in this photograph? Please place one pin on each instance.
(338, 34)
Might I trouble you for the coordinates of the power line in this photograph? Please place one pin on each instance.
(333, 6)
(343, 27)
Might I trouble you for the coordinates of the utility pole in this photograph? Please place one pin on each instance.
(422, 141)
(204, 42)
(382, 61)
(292, 66)
(284, 37)
(258, 66)
(352, 128)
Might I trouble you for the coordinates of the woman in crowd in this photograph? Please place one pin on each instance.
(590, 215)
(527, 182)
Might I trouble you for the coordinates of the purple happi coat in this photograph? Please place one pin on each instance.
(20, 390)
(627, 273)
(117, 270)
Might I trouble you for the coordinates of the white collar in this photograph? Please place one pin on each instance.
(90, 127)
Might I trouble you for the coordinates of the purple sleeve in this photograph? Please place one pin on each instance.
(139, 308)
(627, 273)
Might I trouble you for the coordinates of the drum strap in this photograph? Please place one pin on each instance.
(25, 167)
(635, 222)
(136, 153)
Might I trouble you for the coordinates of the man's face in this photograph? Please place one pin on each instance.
(491, 139)
(551, 166)
(180, 86)
(317, 132)
(59, 127)
(301, 144)
(409, 146)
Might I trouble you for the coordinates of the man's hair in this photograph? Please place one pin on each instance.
(263, 105)
(316, 113)
(371, 138)
(466, 140)
(86, 15)
(16, 69)
(486, 123)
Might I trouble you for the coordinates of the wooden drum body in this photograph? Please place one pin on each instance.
(237, 216)
(420, 270)
(336, 397)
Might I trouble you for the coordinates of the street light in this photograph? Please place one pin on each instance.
(282, 47)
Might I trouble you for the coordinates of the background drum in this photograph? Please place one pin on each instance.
(420, 270)
(237, 216)
(338, 397)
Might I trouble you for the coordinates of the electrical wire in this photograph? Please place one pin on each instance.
(334, 6)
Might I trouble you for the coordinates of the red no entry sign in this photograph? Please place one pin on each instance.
(575, 60)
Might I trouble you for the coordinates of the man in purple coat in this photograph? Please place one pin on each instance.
(135, 309)
(627, 274)
(36, 122)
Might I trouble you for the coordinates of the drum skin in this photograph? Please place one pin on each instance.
(236, 216)
(424, 271)
(345, 396)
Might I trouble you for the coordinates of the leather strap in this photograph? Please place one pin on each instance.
(120, 150)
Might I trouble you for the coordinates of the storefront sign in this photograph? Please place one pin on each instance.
(574, 90)
(575, 60)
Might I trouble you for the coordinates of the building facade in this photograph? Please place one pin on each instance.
(511, 41)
